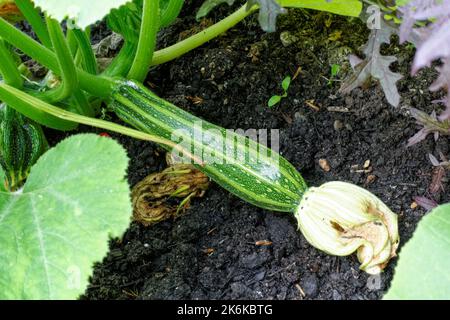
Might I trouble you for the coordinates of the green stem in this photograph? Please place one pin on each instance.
(84, 45)
(120, 65)
(101, 87)
(182, 47)
(147, 40)
(65, 61)
(26, 105)
(81, 103)
(28, 45)
(39, 106)
(98, 86)
(8, 67)
(71, 41)
(33, 17)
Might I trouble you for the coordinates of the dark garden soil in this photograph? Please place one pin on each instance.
(234, 76)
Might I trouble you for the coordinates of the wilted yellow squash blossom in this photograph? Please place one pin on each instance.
(340, 218)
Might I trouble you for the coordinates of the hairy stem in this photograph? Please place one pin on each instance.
(182, 47)
(65, 61)
(8, 67)
(147, 40)
(98, 86)
(33, 17)
(84, 45)
(27, 105)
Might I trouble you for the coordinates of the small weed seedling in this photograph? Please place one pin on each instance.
(335, 68)
(274, 100)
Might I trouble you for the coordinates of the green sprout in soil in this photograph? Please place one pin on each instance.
(276, 99)
(335, 69)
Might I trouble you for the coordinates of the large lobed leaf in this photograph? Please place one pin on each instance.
(82, 12)
(53, 230)
(208, 5)
(424, 264)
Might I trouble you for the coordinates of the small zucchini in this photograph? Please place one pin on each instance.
(22, 142)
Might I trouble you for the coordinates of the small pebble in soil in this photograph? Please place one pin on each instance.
(370, 179)
(338, 125)
(336, 295)
(254, 260)
(323, 163)
(260, 275)
(310, 285)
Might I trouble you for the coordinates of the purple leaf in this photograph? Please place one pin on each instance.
(435, 162)
(433, 43)
(433, 40)
(443, 82)
(431, 9)
(376, 66)
(409, 12)
(430, 124)
(354, 61)
(427, 204)
(435, 47)
(418, 137)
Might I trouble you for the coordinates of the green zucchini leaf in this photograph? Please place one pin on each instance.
(423, 269)
(58, 225)
(82, 13)
(270, 9)
(350, 8)
(170, 9)
(126, 20)
(208, 5)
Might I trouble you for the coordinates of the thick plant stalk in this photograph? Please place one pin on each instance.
(85, 48)
(8, 67)
(182, 47)
(97, 86)
(147, 40)
(66, 64)
(35, 20)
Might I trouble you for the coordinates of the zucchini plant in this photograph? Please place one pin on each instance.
(337, 217)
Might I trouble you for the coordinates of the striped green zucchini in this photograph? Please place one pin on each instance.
(22, 142)
(270, 181)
